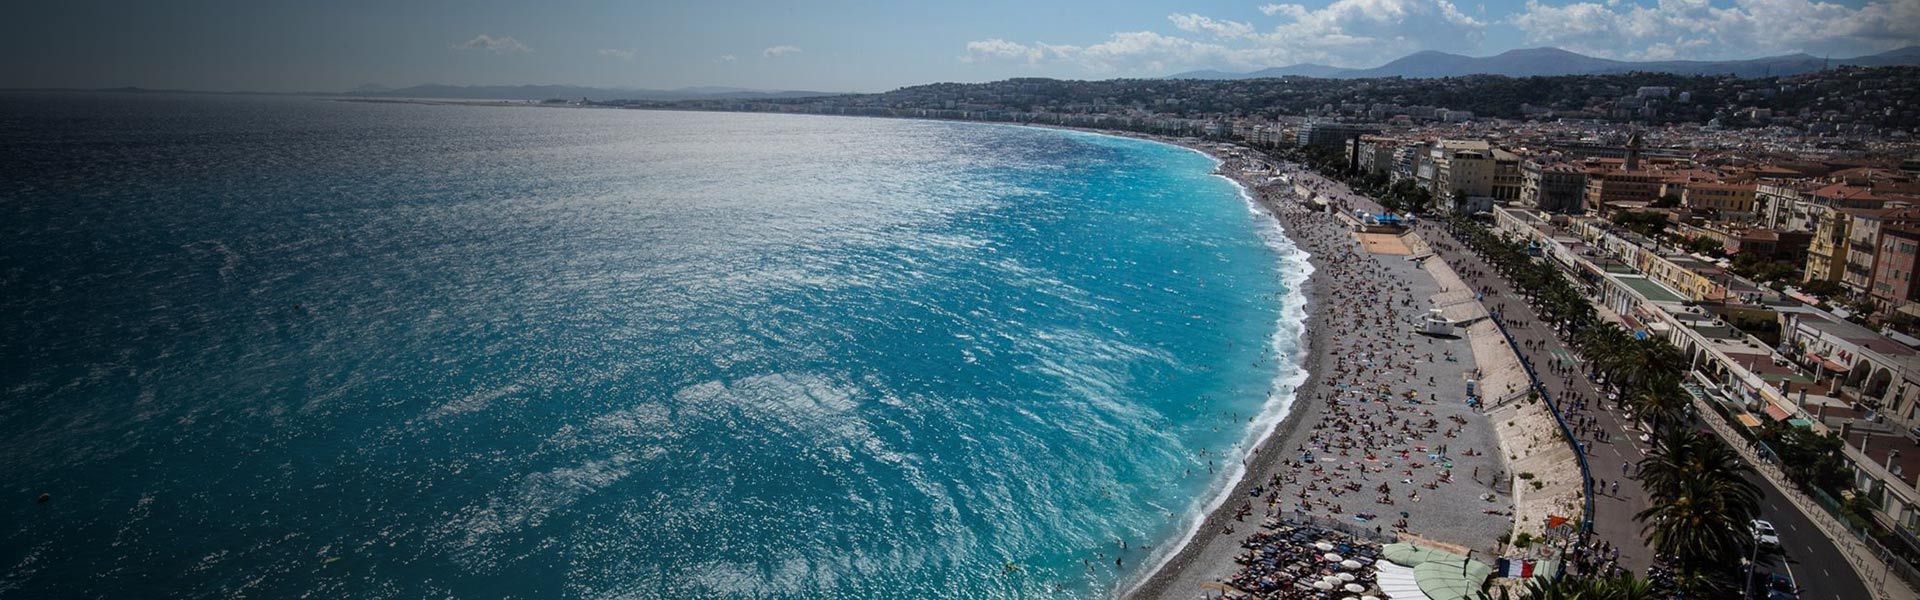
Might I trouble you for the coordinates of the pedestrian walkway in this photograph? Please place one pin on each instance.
(1610, 439)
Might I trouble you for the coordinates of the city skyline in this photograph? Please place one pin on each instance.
(860, 47)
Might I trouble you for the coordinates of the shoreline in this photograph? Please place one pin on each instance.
(1265, 452)
(1468, 514)
(1283, 408)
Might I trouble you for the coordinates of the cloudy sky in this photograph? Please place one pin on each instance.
(280, 45)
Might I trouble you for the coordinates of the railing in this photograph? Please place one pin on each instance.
(1586, 475)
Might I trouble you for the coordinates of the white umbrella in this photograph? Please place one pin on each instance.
(1350, 563)
(1347, 577)
(1369, 598)
(1322, 585)
(1356, 588)
(1323, 546)
(1331, 557)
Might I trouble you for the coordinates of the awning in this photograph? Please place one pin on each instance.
(1439, 574)
(1801, 423)
(1828, 363)
(1748, 420)
(1778, 414)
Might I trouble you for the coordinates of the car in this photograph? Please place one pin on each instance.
(1779, 587)
(1765, 534)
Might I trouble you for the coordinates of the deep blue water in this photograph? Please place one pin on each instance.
(273, 347)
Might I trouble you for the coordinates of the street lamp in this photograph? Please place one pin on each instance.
(1746, 590)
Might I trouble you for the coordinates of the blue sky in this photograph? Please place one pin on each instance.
(278, 45)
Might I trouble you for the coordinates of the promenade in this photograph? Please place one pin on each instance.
(1611, 439)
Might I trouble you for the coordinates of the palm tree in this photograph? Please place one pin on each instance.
(1624, 587)
(1680, 456)
(1661, 399)
(1698, 524)
(1703, 506)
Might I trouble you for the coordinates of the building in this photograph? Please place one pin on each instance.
(1375, 155)
(1330, 135)
(1611, 188)
(1827, 251)
(1555, 187)
(1784, 205)
(1461, 179)
(1407, 162)
(1893, 269)
(1507, 178)
(1863, 244)
(1728, 201)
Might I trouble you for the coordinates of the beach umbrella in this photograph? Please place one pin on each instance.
(1350, 563)
(1347, 578)
(1323, 546)
(1331, 557)
(1356, 588)
(1322, 585)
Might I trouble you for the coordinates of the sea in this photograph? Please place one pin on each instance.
(278, 347)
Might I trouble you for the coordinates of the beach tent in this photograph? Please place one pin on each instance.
(1398, 582)
(1440, 575)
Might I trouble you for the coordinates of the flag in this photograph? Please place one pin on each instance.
(1507, 567)
(1555, 521)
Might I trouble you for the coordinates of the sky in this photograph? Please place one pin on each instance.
(859, 46)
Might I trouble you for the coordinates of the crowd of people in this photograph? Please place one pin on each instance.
(1288, 561)
(1379, 444)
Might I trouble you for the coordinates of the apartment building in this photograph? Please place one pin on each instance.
(1554, 187)
(1892, 286)
(1863, 244)
(1728, 201)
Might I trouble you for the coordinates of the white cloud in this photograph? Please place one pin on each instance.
(726, 58)
(778, 51)
(1125, 51)
(1293, 11)
(1366, 33)
(1696, 29)
(620, 53)
(1221, 29)
(1360, 33)
(496, 45)
(999, 50)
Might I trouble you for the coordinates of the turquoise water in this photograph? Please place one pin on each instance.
(280, 346)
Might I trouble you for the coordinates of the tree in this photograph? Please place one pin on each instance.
(1661, 400)
(1809, 457)
(1624, 587)
(1703, 506)
(1822, 288)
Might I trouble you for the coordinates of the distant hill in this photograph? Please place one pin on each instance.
(1530, 62)
(1302, 70)
(571, 92)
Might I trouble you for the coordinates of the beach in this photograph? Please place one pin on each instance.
(1382, 427)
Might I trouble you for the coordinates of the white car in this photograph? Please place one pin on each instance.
(1764, 533)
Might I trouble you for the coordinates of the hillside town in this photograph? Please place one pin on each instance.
(1778, 265)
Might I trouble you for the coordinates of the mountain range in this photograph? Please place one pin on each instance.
(571, 92)
(1554, 61)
